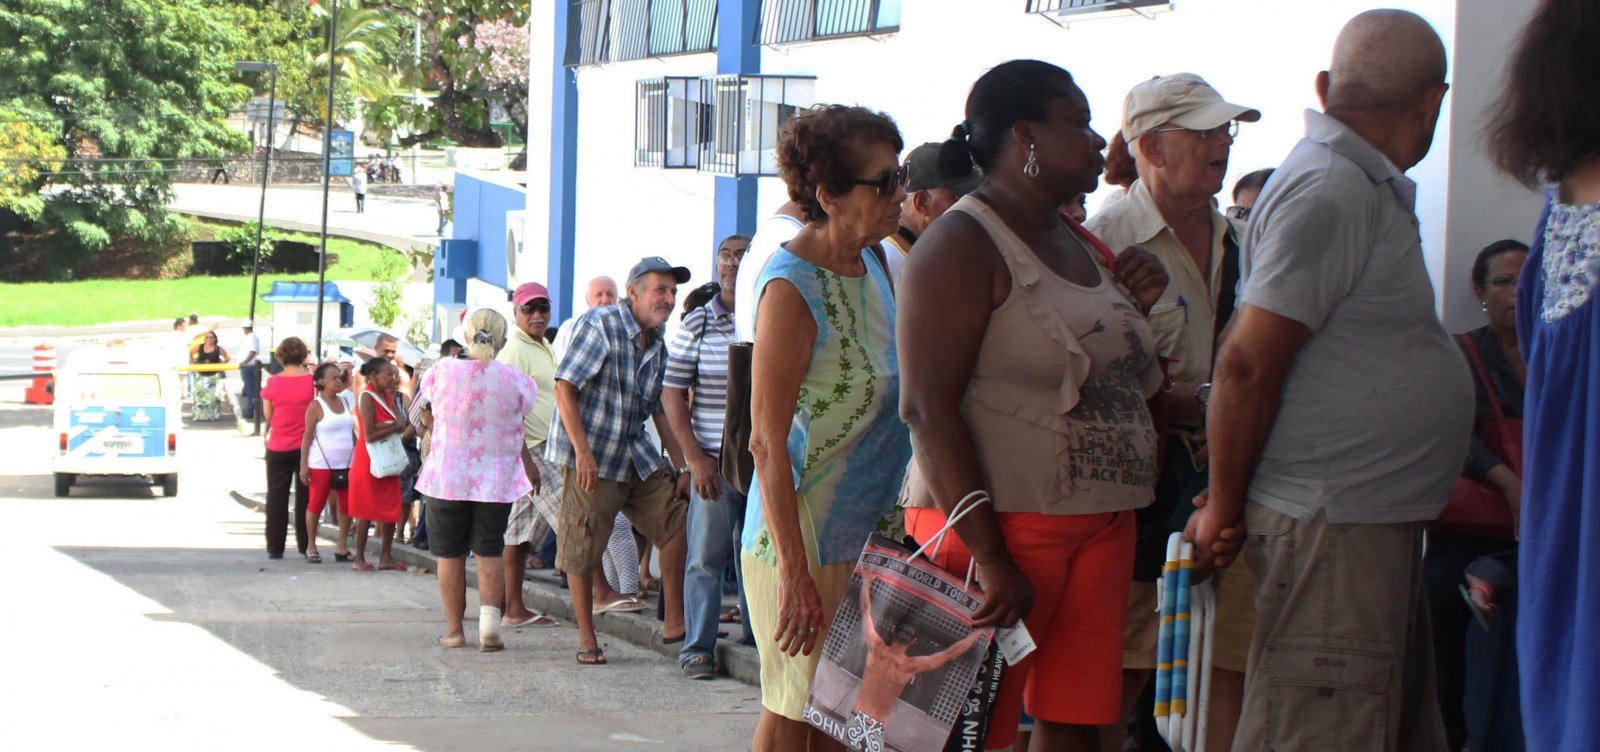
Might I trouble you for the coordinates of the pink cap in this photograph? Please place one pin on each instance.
(529, 291)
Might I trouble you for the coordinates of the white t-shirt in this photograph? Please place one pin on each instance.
(249, 343)
(773, 233)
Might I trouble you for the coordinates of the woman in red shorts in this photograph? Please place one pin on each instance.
(376, 499)
(325, 453)
(1025, 365)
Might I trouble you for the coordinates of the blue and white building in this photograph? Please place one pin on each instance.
(655, 120)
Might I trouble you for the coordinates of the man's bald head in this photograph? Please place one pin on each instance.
(602, 292)
(1384, 61)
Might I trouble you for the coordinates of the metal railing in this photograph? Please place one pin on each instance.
(1060, 8)
(800, 20)
(618, 30)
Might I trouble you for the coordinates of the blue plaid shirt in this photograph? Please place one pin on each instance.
(619, 388)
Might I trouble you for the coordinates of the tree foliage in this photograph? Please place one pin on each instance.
(455, 64)
(126, 89)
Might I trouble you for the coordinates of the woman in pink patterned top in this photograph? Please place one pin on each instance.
(476, 467)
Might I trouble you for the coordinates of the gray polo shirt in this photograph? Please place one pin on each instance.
(1377, 408)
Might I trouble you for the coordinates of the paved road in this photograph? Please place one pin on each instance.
(391, 220)
(132, 618)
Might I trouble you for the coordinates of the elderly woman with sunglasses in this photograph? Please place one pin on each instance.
(829, 448)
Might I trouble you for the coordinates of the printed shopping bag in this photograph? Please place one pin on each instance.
(901, 658)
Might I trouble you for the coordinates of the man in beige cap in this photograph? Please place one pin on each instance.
(1180, 131)
(930, 192)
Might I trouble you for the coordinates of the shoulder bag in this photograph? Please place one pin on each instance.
(736, 464)
(1475, 507)
(386, 456)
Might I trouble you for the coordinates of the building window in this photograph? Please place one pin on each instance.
(672, 122)
(617, 30)
(800, 20)
(747, 113)
(588, 33)
(1062, 11)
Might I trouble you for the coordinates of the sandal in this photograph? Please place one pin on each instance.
(342, 558)
(622, 606)
(732, 616)
(313, 557)
(538, 620)
(595, 656)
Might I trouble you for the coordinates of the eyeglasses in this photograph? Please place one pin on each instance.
(537, 306)
(1239, 212)
(1231, 128)
(730, 258)
(886, 181)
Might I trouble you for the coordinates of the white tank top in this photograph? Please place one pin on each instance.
(335, 440)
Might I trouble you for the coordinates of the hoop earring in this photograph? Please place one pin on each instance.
(1031, 168)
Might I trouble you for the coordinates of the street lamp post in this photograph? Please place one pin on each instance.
(327, 167)
(266, 166)
(253, 379)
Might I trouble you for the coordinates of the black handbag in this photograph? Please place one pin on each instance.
(340, 480)
(736, 465)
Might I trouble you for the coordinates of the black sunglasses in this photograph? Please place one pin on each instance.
(537, 306)
(886, 181)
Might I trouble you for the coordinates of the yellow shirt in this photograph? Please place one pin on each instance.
(538, 361)
(1184, 319)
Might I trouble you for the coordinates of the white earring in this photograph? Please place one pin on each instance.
(1031, 169)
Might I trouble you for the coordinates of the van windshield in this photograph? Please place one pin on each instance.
(118, 387)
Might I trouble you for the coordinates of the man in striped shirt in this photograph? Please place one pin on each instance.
(695, 399)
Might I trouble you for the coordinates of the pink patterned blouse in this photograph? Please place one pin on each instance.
(476, 451)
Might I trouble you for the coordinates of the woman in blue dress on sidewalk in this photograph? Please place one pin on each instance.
(1547, 134)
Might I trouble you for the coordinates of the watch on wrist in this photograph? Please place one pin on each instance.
(1202, 394)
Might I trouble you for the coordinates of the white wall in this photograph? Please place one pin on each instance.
(1484, 205)
(1261, 53)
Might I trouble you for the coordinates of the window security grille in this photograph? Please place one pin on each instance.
(747, 114)
(616, 30)
(801, 20)
(672, 123)
(1064, 10)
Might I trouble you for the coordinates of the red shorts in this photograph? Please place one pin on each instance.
(1080, 567)
(321, 486)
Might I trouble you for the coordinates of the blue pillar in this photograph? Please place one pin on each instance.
(737, 52)
(563, 165)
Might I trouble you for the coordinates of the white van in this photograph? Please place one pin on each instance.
(118, 413)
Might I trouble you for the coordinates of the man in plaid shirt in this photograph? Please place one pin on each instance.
(608, 384)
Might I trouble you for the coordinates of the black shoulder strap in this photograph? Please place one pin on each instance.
(1227, 296)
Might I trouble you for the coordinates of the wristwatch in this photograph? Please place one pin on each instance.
(1202, 394)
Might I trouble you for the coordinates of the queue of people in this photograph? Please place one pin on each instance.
(1272, 381)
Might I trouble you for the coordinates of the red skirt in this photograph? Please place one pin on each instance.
(369, 498)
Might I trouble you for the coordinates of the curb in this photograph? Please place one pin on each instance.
(733, 660)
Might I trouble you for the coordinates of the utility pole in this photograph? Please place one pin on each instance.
(327, 171)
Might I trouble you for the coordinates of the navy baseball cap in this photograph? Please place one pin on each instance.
(653, 264)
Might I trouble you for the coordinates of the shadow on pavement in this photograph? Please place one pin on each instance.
(364, 642)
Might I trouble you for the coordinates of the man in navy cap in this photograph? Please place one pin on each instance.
(607, 385)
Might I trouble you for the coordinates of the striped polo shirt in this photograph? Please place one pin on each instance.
(698, 359)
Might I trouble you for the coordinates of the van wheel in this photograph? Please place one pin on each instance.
(169, 485)
(64, 483)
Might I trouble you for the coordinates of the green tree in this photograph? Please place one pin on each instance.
(127, 89)
(455, 66)
(28, 154)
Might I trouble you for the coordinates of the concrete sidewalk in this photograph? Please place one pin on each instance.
(543, 593)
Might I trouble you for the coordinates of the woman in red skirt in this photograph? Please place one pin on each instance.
(376, 499)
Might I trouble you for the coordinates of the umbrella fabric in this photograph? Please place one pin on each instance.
(367, 337)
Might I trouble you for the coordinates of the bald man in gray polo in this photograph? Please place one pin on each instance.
(1340, 412)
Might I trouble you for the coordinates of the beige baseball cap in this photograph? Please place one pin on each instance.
(1182, 99)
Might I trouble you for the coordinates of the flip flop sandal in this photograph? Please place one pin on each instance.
(440, 642)
(596, 656)
(732, 616)
(314, 557)
(621, 606)
(538, 621)
(343, 558)
(362, 566)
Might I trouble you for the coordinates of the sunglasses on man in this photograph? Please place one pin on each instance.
(886, 181)
(537, 306)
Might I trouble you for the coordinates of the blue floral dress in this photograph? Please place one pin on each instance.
(1558, 325)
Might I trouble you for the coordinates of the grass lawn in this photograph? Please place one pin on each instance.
(103, 301)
